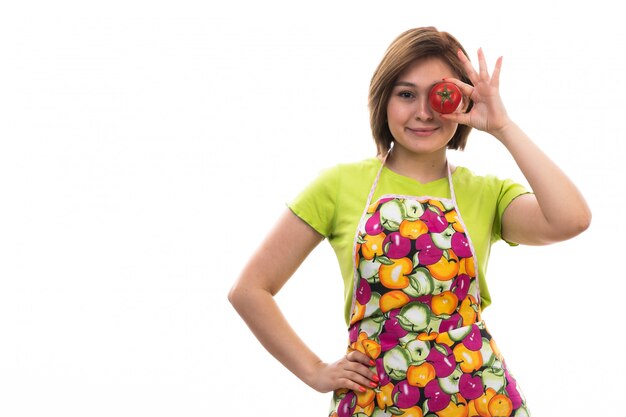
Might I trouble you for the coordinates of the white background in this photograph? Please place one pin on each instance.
(147, 147)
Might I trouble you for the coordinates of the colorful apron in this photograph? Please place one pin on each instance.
(416, 314)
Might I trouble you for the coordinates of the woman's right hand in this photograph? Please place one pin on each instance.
(351, 371)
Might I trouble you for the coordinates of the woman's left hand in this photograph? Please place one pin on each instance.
(488, 113)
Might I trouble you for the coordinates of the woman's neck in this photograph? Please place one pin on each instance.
(423, 168)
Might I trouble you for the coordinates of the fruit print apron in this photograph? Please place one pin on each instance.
(416, 314)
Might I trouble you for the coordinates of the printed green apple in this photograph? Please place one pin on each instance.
(368, 269)
(487, 353)
(373, 305)
(407, 338)
(418, 350)
(473, 288)
(459, 333)
(450, 384)
(413, 209)
(414, 316)
(447, 204)
(391, 214)
(441, 286)
(443, 240)
(396, 362)
(494, 378)
(372, 326)
(433, 324)
(420, 283)
(381, 413)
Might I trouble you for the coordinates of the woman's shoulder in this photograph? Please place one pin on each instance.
(351, 171)
(469, 177)
(471, 183)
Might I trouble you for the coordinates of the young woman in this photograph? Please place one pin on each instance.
(412, 234)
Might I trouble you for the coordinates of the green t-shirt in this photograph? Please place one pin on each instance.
(334, 202)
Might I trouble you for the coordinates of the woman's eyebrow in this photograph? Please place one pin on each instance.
(404, 84)
(409, 84)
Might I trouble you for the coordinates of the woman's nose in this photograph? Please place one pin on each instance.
(423, 110)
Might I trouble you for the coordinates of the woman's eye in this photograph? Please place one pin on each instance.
(406, 94)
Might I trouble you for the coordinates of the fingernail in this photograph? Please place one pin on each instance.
(361, 389)
(375, 378)
(372, 363)
(373, 384)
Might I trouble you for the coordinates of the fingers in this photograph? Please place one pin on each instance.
(482, 65)
(469, 68)
(495, 79)
(355, 372)
(483, 72)
(356, 356)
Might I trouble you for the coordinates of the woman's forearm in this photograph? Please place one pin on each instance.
(562, 205)
(259, 310)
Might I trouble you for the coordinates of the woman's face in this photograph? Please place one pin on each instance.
(415, 126)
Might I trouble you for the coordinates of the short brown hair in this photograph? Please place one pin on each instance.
(404, 50)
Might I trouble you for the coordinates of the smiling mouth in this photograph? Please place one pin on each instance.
(422, 131)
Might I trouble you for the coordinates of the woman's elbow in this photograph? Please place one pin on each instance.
(573, 227)
(236, 296)
(581, 223)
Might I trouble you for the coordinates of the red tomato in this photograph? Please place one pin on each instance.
(445, 97)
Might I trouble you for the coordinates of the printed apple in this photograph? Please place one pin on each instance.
(511, 390)
(460, 286)
(396, 246)
(410, 336)
(473, 341)
(368, 269)
(383, 377)
(396, 362)
(470, 386)
(487, 353)
(381, 412)
(444, 240)
(453, 322)
(459, 333)
(347, 405)
(437, 400)
(427, 252)
(418, 350)
(394, 273)
(434, 324)
(391, 215)
(413, 209)
(446, 268)
(414, 316)
(392, 326)
(460, 245)
(450, 383)
(434, 219)
(372, 326)
(442, 359)
(468, 360)
(494, 378)
(420, 375)
(373, 305)
(405, 395)
(420, 282)
(363, 291)
(388, 341)
(373, 225)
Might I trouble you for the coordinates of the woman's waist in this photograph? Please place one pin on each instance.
(421, 318)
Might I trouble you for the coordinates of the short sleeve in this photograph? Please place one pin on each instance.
(509, 191)
(317, 203)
